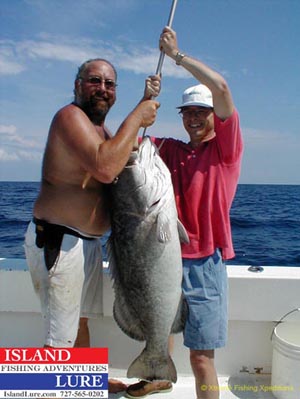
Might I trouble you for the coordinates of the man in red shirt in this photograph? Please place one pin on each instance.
(205, 174)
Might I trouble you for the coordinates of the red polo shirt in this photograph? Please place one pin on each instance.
(205, 181)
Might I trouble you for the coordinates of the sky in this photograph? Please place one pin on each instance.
(254, 44)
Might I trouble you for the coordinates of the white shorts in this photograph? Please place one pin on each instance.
(72, 288)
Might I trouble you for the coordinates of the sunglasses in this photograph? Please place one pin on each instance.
(96, 80)
(187, 113)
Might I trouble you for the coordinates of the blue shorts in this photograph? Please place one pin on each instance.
(205, 288)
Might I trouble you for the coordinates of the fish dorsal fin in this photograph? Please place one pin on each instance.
(183, 235)
(163, 229)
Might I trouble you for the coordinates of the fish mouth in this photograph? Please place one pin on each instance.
(133, 159)
(143, 155)
(146, 151)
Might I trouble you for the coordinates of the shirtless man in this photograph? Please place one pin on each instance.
(62, 243)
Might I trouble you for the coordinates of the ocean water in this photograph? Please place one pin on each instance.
(265, 222)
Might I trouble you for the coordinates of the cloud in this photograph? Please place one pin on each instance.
(10, 129)
(51, 50)
(8, 63)
(10, 137)
(270, 157)
(18, 148)
(145, 60)
(19, 155)
(15, 56)
(5, 156)
(9, 67)
(271, 139)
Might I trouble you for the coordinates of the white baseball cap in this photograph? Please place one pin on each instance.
(199, 95)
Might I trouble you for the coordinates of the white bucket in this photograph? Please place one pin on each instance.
(285, 382)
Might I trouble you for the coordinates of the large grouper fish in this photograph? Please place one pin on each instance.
(145, 261)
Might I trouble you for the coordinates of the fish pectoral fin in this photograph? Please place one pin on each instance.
(181, 316)
(183, 235)
(163, 228)
(126, 320)
(113, 270)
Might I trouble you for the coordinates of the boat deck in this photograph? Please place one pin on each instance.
(254, 310)
(242, 386)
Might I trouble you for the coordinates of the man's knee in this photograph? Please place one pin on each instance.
(202, 362)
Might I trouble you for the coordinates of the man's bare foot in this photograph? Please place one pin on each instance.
(115, 386)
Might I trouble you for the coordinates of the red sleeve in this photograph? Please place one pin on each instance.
(229, 138)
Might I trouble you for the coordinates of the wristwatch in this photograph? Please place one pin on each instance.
(178, 58)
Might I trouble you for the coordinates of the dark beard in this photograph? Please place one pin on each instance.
(95, 113)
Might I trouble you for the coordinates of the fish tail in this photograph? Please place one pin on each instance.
(149, 368)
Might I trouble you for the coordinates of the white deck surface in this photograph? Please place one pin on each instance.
(257, 301)
(243, 386)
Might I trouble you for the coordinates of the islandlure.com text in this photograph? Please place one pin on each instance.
(26, 394)
(52, 395)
